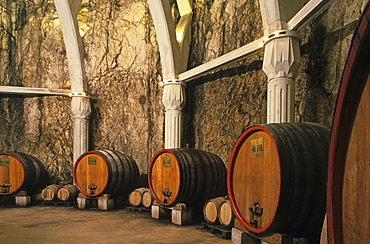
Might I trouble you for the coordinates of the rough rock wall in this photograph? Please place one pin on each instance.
(324, 49)
(122, 60)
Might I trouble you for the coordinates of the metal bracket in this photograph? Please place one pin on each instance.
(280, 34)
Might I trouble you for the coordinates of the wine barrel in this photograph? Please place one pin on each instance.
(211, 209)
(20, 172)
(187, 175)
(225, 215)
(277, 178)
(348, 210)
(147, 198)
(136, 196)
(49, 193)
(68, 193)
(105, 172)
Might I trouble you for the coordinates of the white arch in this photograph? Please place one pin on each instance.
(80, 104)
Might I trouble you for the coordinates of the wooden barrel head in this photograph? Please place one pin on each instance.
(91, 174)
(356, 185)
(165, 177)
(12, 174)
(225, 214)
(147, 199)
(348, 211)
(135, 197)
(210, 210)
(256, 165)
(50, 192)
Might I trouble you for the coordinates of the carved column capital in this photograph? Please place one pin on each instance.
(282, 57)
(80, 107)
(174, 97)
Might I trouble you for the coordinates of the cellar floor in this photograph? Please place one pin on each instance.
(60, 224)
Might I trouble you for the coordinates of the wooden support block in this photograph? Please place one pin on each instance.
(160, 213)
(82, 202)
(182, 216)
(23, 200)
(240, 237)
(105, 204)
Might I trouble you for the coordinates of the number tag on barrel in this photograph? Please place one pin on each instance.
(92, 160)
(257, 148)
(166, 162)
(4, 162)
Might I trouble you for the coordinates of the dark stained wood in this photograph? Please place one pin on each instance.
(348, 211)
(277, 178)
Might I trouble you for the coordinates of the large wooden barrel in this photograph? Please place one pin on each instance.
(187, 175)
(348, 211)
(20, 172)
(49, 193)
(277, 178)
(105, 172)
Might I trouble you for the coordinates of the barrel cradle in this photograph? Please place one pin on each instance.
(20, 172)
(187, 175)
(277, 178)
(105, 172)
(348, 210)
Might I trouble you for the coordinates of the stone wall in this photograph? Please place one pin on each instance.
(123, 69)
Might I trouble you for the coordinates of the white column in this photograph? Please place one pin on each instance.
(281, 59)
(174, 44)
(281, 64)
(174, 100)
(81, 110)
